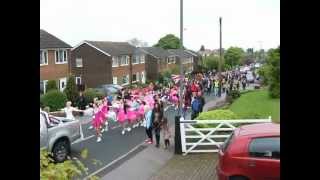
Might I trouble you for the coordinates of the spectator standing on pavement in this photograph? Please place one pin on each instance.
(202, 101)
(157, 122)
(81, 102)
(166, 132)
(244, 83)
(148, 117)
(209, 85)
(196, 107)
(216, 87)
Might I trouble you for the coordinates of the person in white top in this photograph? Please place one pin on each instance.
(68, 110)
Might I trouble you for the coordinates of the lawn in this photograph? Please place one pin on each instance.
(257, 104)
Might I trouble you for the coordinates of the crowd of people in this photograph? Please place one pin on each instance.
(132, 108)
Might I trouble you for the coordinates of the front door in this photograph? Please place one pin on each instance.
(62, 83)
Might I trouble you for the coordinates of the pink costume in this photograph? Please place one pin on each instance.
(96, 122)
(122, 116)
(132, 115)
(104, 111)
(141, 111)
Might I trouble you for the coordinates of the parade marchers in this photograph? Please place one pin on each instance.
(144, 106)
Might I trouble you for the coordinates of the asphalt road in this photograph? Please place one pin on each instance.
(114, 145)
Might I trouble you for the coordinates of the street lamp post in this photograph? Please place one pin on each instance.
(220, 53)
(180, 62)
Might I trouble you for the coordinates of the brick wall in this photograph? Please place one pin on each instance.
(54, 71)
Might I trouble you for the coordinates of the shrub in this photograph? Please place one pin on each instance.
(90, 94)
(233, 94)
(219, 114)
(51, 85)
(68, 169)
(54, 99)
(71, 90)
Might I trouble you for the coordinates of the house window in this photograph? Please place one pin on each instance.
(43, 84)
(43, 57)
(171, 60)
(135, 59)
(142, 59)
(124, 60)
(78, 80)
(61, 56)
(79, 62)
(143, 78)
(114, 80)
(125, 79)
(134, 77)
(115, 61)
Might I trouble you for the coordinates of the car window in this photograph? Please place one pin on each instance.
(227, 143)
(265, 147)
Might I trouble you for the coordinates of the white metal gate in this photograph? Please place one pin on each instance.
(208, 139)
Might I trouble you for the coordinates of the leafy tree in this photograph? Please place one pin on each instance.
(233, 56)
(137, 43)
(202, 48)
(51, 85)
(71, 89)
(270, 72)
(169, 41)
(211, 62)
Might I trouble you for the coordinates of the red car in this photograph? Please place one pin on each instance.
(252, 152)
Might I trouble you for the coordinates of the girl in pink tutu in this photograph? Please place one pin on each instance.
(123, 116)
(96, 121)
(104, 111)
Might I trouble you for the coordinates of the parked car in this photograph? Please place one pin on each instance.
(57, 134)
(108, 89)
(252, 152)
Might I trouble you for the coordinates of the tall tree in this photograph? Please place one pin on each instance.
(233, 56)
(270, 72)
(71, 89)
(202, 48)
(137, 43)
(169, 41)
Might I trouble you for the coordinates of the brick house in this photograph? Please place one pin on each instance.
(103, 62)
(188, 60)
(54, 58)
(197, 59)
(156, 61)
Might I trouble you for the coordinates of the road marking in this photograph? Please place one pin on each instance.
(80, 140)
(114, 161)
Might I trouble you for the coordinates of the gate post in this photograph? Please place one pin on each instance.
(177, 136)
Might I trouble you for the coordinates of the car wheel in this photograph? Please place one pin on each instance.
(238, 178)
(61, 150)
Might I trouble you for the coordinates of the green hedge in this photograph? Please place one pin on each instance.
(54, 99)
(219, 114)
(90, 94)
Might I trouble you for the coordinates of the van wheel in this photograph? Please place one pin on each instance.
(61, 150)
(238, 178)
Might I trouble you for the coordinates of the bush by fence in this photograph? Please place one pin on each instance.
(54, 99)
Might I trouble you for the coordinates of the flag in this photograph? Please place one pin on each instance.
(176, 78)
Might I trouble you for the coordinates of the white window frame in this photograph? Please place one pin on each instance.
(78, 77)
(142, 59)
(44, 85)
(127, 77)
(64, 79)
(65, 58)
(126, 60)
(77, 62)
(114, 80)
(115, 61)
(171, 60)
(143, 77)
(42, 56)
(138, 77)
(136, 57)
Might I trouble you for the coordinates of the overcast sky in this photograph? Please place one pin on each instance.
(245, 23)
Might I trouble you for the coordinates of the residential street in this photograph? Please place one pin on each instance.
(115, 148)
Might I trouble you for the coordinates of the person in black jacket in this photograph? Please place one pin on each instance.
(157, 115)
(81, 102)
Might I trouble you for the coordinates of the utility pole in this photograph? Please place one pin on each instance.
(180, 60)
(220, 53)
